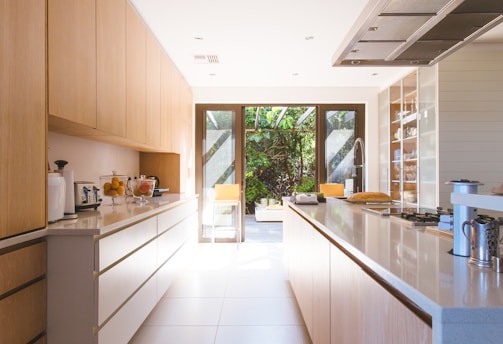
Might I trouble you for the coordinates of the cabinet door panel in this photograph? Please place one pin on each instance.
(166, 125)
(111, 66)
(23, 119)
(23, 314)
(21, 266)
(72, 60)
(136, 76)
(153, 129)
(344, 299)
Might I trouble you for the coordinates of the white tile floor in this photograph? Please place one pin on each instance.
(228, 296)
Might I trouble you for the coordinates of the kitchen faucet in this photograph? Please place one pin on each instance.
(359, 141)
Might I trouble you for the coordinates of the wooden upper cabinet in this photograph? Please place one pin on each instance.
(153, 120)
(136, 77)
(23, 118)
(176, 112)
(167, 70)
(72, 60)
(111, 66)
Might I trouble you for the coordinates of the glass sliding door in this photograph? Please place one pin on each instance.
(219, 145)
(340, 160)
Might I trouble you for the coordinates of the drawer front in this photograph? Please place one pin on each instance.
(171, 217)
(21, 266)
(122, 280)
(171, 240)
(170, 270)
(124, 324)
(23, 314)
(118, 245)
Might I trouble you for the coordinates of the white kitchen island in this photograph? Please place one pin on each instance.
(360, 278)
(108, 269)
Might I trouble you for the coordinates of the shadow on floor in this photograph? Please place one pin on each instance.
(262, 231)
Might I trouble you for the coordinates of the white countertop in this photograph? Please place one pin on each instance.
(413, 260)
(109, 218)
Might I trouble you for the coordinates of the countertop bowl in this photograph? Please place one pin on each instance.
(113, 188)
(143, 188)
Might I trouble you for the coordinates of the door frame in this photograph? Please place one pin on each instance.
(200, 111)
(359, 108)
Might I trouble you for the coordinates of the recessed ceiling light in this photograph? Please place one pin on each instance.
(355, 62)
(213, 74)
(374, 74)
(198, 38)
(295, 74)
(373, 28)
(309, 38)
(355, 50)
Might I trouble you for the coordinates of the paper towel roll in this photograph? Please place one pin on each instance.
(70, 193)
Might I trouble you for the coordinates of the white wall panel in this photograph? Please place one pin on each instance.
(471, 119)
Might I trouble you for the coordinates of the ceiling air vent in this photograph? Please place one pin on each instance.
(204, 59)
(404, 33)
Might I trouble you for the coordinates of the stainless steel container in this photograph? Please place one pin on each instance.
(484, 241)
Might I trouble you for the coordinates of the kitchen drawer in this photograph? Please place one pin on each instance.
(116, 285)
(170, 270)
(171, 240)
(22, 265)
(173, 216)
(116, 246)
(23, 314)
(123, 325)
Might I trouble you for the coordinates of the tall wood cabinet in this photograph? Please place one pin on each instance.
(23, 120)
(23, 170)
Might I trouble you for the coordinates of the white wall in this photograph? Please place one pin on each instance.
(471, 119)
(90, 159)
(310, 95)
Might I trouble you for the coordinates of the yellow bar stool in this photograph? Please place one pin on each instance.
(332, 189)
(227, 196)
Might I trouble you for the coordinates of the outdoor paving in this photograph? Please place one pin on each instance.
(262, 231)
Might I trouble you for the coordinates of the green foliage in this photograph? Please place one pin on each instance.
(307, 185)
(280, 156)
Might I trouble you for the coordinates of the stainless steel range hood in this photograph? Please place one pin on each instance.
(415, 32)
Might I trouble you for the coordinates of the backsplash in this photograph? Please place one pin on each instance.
(90, 159)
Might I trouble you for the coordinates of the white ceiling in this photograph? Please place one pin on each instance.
(264, 43)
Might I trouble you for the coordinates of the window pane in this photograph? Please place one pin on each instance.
(339, 139)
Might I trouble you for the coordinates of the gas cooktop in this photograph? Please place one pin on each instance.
(416, 216)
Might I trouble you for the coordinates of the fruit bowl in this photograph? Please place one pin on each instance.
(142, 188)
(113, 187)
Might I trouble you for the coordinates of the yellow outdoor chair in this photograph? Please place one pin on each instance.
(227, 196)
(332, 189)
